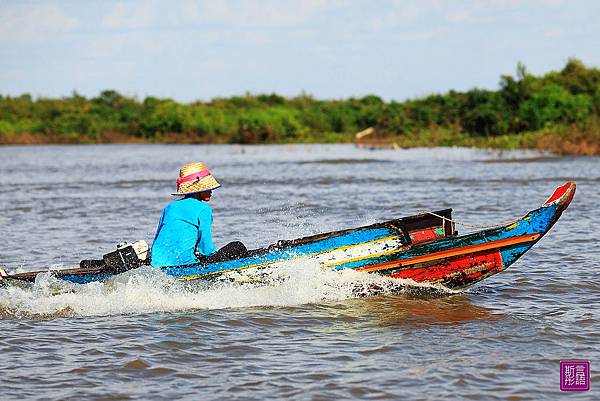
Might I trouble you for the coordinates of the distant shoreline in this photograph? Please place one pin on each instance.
(562, 142)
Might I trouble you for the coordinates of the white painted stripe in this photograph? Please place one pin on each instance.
(333, 257)
(340, 255)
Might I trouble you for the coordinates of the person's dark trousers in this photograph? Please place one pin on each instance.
(232, 250)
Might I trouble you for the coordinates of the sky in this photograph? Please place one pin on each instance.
(192, 50)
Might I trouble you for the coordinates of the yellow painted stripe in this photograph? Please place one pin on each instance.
(195, 276)
(373, 255)
(342, 248)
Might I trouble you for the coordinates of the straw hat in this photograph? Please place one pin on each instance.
(195, 177)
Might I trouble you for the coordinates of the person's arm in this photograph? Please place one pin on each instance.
(160, 224)
(152, 249)
(205, 246)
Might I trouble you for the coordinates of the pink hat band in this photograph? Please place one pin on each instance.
(192, 177)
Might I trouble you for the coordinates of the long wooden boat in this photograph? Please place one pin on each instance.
(425, 248)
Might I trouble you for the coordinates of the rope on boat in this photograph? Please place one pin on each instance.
(460, 223)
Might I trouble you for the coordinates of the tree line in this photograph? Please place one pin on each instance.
(522, 103)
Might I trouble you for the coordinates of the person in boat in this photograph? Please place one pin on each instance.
(184, 232)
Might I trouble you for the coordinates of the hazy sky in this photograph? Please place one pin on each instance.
(195, 49)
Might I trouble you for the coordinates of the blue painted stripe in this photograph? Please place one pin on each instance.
(85, 278)
(369, 261)
(512, 253)
(352, 238)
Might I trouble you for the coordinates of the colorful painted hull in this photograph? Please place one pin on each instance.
(422, 248)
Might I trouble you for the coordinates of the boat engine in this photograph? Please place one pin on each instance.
(126, 257)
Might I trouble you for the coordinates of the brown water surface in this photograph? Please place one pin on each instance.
(144, 336)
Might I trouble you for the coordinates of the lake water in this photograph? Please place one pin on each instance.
(144, 336)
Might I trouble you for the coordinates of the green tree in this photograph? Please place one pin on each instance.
(554, 104)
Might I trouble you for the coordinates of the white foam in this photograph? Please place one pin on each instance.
(149, 290)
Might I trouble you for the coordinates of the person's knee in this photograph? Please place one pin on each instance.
(233, 249)
(238, 245)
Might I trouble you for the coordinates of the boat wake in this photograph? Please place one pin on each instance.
(149, 290)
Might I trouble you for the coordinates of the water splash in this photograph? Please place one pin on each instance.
(149, 290)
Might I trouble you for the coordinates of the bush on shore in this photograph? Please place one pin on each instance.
(565, 104)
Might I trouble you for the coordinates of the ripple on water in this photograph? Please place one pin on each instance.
(143, 336)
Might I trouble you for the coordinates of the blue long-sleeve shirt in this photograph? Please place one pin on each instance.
(185, 225)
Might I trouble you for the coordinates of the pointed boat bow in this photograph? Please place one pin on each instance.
(461, 261)
(562, 195)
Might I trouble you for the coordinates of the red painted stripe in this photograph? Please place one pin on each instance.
(559, 193)
(452, 252)
(471, 266)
